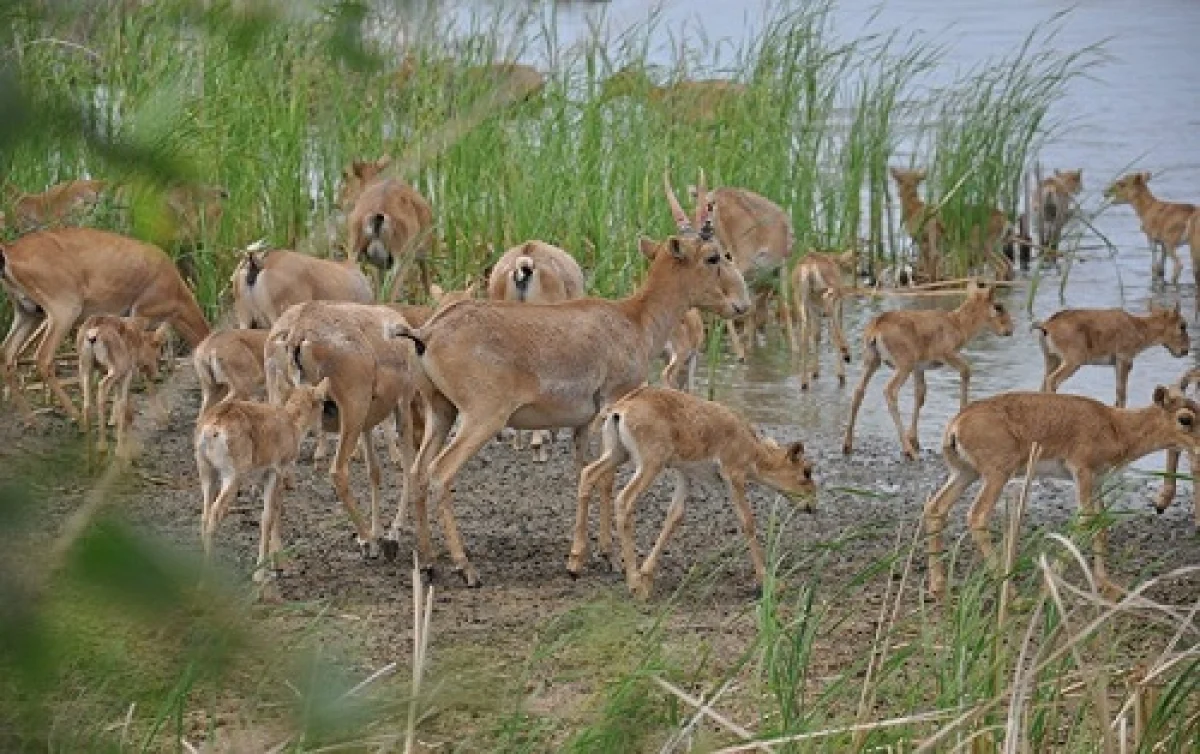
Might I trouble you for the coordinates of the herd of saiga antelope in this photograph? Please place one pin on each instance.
(538, 355)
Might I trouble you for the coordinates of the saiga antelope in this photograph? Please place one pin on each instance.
(758, 233)
(229, 364)
(1074, 337)
(1055, 202)
(992, 439)
(122, 347)
(61, 276)
(371, 378)
(266, 282)
(56, 205)
(686, 100)
(540, 366)
(237, 438)
(816, 288)
(538, 273)
(1167, 225)
(660, 428)
(912, 341)
(389, 223)
(1167, 494)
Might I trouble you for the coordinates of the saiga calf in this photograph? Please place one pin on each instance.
(1055, 202)
(1167, 225)
(240, 437)
(816, 288)
(660, 428)
(912, 341)
(122, 347)
(993, 438)
(1075, 337)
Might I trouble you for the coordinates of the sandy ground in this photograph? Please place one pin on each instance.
(516, 518)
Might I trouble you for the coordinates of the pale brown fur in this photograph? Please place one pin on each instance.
(816, 288)
(659, 428)
(993, 439)
(61, 276)
(513, 82)
(371, 378)
(541, 366)
(682, 352)
(1167, 225)
(389, 223)
(229, 364)
(1075, 337)
(928, 230)
(1055, 200)
(267, 282)
(240, 437)
(689, 101)
(913, 341)
(538, 273)
(1167, 494)
(195, 209)
(58, 204)
(122, 347)
(758, 233)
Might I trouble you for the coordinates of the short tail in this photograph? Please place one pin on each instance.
(403, 330)
(523, 273)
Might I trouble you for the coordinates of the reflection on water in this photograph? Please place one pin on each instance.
(1139, 109)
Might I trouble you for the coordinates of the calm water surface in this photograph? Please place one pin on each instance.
(1141, 108)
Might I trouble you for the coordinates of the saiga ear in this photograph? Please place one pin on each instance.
(1160, 395)
(676, 248)
(648, 247)
(323, 389)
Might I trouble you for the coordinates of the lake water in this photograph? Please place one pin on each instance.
(1140, 109)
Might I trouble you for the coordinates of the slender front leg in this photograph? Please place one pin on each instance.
(737, 493)
(60, 321)
(871, 362)
(125, 417)
(936, 510)
(1123, 367)
(1157, 266)
(1066, 368)
(957, 361)
(644, 582)
(1084, 487)
(891, 391)
(22, 330)
(1167, 493)
(102, 397)
(735, 339)
(208, 489)
(1176, 265)
(268, 534)
(918, 402)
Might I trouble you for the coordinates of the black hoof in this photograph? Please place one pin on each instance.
(391, 549)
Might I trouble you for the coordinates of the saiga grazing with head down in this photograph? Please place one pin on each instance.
(389, 223)
(659, 428)
(229, 364)
(912, 341)
(542, 366)
(1167, 494)
(816, 288)
(537, 273)
(266, 282)
(1167, 225)
(371, 377)
(1075, 337)
(758, 233)
(61, 276)
(122, 347)
(240, 437)
(686, 100)
(993, 439)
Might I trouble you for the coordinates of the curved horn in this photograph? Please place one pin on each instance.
(681, 218)
(701, 201)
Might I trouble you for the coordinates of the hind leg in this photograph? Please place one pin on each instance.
(871, 363)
